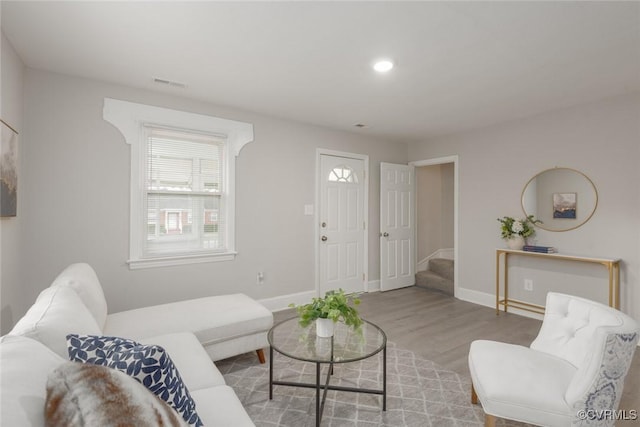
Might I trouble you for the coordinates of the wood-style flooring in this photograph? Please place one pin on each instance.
(441, 328)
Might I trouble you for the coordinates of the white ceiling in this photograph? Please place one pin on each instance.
(459, 65)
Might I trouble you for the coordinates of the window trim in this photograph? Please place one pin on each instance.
(129, 118)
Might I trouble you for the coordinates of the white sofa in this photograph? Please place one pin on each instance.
(192, 332)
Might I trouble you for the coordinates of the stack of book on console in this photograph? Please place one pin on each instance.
(541, 249)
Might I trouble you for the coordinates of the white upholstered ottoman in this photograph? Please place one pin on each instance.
(225, 325)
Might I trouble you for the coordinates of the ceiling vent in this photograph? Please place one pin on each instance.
(166, 82)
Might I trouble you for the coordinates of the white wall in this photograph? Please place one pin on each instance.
(600, 140)
(73, 198)
(429, 207)
(76, 191)
(434, 200)
(13, 298)
(448, 204)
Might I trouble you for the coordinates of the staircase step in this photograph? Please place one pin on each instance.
(430, 280)
(442, 267)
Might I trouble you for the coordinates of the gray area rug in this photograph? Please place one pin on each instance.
(419, 392)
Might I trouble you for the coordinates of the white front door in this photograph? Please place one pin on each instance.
(397, 229)
(342, 226)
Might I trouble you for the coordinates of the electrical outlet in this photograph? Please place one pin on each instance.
(260, 278)
(528, 285)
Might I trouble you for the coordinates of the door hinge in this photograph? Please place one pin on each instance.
(363, 277)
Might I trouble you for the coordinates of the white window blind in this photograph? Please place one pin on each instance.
(184, 193)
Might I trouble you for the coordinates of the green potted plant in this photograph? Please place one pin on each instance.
(333, 307)
(515, 231)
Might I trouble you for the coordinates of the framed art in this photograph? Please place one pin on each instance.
(564, 205)
(8, 171)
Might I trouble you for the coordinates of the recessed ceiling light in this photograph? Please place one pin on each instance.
(383, 65)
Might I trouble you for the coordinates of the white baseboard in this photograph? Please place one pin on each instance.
(282, 302)
(446, 253)
(373, 286)
(489, 300)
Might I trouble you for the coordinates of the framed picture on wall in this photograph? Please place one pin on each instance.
(564, 205)
(8, 171)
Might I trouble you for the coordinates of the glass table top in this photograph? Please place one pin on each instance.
(346, 345)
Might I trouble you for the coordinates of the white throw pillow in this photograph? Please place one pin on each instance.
(82, 278)
(57, 312)
(24, 367)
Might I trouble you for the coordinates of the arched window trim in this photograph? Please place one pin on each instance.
(129, 118)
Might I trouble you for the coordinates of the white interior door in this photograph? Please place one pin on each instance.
(342, 226)
(397, 226)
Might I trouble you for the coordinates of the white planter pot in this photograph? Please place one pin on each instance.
(323, 346)
(515, 242)
(324, 328)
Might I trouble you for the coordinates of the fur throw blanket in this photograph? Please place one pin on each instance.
(90, 395)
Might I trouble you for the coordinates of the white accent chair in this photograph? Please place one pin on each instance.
(572, 375)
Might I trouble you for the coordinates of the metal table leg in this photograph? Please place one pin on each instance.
(317, 394)
(270, 373)
(384, 378)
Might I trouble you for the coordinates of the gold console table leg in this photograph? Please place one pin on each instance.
(505, 300)
(497, 283)
(506, 281)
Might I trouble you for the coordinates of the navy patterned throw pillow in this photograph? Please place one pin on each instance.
(149, 364)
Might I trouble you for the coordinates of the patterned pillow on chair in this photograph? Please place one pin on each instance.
(149, 364)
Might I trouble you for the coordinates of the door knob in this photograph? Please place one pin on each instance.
(385, 234)
(323, 238)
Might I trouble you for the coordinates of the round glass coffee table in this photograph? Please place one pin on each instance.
(346, 345)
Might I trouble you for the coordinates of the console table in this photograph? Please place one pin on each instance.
(612, 266)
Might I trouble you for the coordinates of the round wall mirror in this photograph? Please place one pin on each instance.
(562, 198)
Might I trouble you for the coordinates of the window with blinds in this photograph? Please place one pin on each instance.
(182, 183)
(184, 193)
